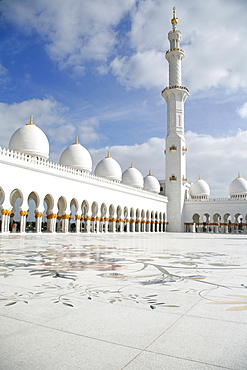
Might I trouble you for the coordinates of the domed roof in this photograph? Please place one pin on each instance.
(76, 156)
(199, 188)
(238, 187)
(151, 184)
(109, 169)
(30, 140)
(132, 177)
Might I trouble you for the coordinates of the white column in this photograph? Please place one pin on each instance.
(38, 221)
(23, 221)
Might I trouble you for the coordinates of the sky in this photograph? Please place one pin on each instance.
(96, 68)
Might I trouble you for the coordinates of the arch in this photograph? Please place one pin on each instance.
(85, 224)
(147, 221)
(74, 206)
(49, 200)
(16, 201)
(126, 219)
(61, 205)
(152, 221)
(196, 218)
(15, 194)
(95, 218)
(216, 222)
(62, 221)
(206, 222)
(85, 208)
(137, 220)
(238, 222)
(112, 220)
(49, 215)
(132, 220)
(164, 222)
(103, 210)
(119, 219)
(2, 196)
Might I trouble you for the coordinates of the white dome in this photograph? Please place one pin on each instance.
(133, 177)
(30, 140)
(151, 184)
(238, 187)
(76, 156)
(109, 169)
(200, 189)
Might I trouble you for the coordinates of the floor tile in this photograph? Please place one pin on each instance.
(216, 342)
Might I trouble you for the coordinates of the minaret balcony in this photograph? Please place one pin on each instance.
(176, 87)
(174, 49)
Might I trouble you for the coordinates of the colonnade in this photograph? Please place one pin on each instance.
(80, 224)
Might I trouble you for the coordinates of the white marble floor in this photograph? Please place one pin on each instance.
(123, 301)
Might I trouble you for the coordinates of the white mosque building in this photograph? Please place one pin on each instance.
(67, 197)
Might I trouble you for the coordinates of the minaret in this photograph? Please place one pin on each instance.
(175, 95)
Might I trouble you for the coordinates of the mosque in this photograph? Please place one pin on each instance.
(67, 197)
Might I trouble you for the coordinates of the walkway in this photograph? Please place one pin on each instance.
(123, 301)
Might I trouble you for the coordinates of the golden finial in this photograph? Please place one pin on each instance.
(76, 140)
(132, 165)
(149, 173)
(31, 121)
(174, 20)
(199, 177)
(108, 154)
(239, 176)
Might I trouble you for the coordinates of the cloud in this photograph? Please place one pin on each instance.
(214, 49)
(129, 38)
(138, 70)
(242, 111)
(3, 75)
(216, 160)
(145, 157)
(74, 31)
(62, 133)
(88, 131)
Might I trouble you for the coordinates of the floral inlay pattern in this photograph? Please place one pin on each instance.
(63, 274)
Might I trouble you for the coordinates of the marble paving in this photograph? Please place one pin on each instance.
(123, 301)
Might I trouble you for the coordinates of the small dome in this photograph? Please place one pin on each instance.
(238, 187)
(200, 189)
(30, 140)
(151, 184)
(133, 177)
(109, 169)
(76, 156)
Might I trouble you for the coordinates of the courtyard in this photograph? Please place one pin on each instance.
(123, 301)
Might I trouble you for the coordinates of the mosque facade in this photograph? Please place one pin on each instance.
(67, 197)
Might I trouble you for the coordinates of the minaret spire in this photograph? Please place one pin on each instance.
(175, 96)
(174, 20)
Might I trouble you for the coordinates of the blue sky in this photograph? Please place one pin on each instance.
(96, 69)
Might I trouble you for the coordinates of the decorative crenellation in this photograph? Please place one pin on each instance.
(27, 160)
(175, 87)
(174, 49)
